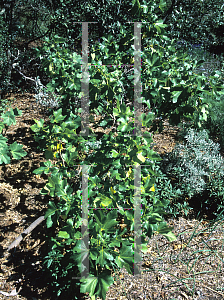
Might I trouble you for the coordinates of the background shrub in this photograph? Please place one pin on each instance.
(215, 122)
(195, 171)
(171, 195)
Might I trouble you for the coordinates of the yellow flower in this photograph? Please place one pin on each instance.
(55, 149)
(152, 188)
(112, 190)
(130, 174)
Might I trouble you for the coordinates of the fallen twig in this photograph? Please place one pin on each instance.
(25, 232)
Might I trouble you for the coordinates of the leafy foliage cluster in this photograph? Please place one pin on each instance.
(176, 91)
(171, 89)
(162, 77)
(23, 22)
(215, 123)
(15, 150)
(196, 22)
(110, 185)
(3, 54)
(174, 201)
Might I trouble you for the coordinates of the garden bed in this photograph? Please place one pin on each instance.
(189, 268)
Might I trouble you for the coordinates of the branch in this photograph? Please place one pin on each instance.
(37, 38)
(169, 11)
(25, 232)
(29, 78)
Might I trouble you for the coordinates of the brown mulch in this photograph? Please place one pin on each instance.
(190, 268)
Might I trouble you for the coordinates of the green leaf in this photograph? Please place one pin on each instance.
(125, 258)
(39, 124)
(144, 248)
(48, 154)
(89, 285)
(80, 253)
(49, 222)
(114, 153)
(17, 112)
(136, 9)
(103, 200)
(162, 5)
(51, 209)
(45, 168)
(4, 158)
(170, 236)
(105, 223)
(17, 151)
(176, 95)
(103, 256)
(160, 24)
(57, 116)
(3, 141)
(9, 118)
(63, 234)
(2, 126)
(97, 285)
(166, 231)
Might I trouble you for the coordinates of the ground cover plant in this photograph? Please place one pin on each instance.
(196, 167)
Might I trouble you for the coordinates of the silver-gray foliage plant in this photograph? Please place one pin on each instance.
(43, 97)
(195, 162)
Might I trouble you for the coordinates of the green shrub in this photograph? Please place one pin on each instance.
(174, 202)
(4, 103)
(15, 150)
(198, 169)
(60, 269)
(3, 56)
(110, 185)
(174, 90)
(215, 122)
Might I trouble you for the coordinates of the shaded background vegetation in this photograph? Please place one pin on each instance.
(23, 23)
